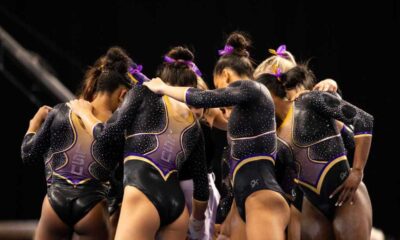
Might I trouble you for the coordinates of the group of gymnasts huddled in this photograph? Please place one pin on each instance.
(129, 159)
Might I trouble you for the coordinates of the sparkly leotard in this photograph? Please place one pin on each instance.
(310, 133)
(76, 171)
(157, 142)
(251, 135)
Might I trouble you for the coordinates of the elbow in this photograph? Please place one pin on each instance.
(201, 194)
(364, 126)
(27, 159)
(372, 120)
(369, 122)
(201, 197)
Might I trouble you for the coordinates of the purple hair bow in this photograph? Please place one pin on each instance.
(228, 49)
(190, 64)
(277, 73)
(138, 69)
(280, 51)
(136, 75)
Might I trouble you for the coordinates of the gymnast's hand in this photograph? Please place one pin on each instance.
(326, 85)
(349, 187)
(196, 228)
(39, 118)
(80, 107)
(156, 85)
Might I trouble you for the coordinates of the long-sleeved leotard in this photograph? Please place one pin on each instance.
(251, 134)
(159, 140)
(226, 192)
(310, 129)
(75, 170)
(287, 168)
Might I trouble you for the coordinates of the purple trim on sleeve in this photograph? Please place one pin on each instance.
(362, 133)
(186, 96)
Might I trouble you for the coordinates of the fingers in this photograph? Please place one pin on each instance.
(322, 87)
(347, 195)
(317, 87)
(44, 108)
(352, 197)
(333, 88)
(47, 107)
(336, 191)
(342, 197)
(326, 85)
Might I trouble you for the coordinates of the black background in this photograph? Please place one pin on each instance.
(354, 43)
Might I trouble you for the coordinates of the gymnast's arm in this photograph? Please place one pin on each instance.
(37, 139)
(200, 180)
(113, 129)
(334, 107)
(223, 97)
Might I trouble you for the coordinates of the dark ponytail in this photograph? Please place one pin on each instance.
(295, 77)
(238, 58)
(178, 71)
(273, 84)
(88, 87)
(107, 74)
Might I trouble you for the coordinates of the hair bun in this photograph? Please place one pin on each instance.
(181, 53)
(240, 43)
(117, 59)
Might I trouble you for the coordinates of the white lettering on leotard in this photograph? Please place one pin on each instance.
(78, 161)
(168, 147)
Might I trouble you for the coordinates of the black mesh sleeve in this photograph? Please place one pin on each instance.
(35, 145)
(236, 93)
(111, 133)
(226, 200)
(333, 107)
(197, 165)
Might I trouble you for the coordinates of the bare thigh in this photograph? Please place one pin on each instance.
(237, 225)
(314, 225)
(50, 225)
(95, 224)
(177, 229)
(354, 221)
(267, 215)
(294, 228)
(114, 222)
(225, 228)
(139, 218)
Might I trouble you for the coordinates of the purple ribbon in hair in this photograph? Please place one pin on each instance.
(280, 51)
(228, 49)
(136, 73)
(190, 64)
(277, 73)
(138, 69)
